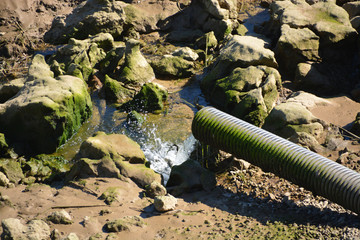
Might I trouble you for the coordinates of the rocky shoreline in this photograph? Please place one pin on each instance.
(137, 58)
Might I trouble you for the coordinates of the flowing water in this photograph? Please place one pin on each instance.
(165, 139)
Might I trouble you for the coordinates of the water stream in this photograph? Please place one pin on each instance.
(165, 139)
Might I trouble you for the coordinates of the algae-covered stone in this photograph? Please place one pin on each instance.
(113, 155)
(248, 93)
(84, 168)
(287, 119)
(134, 119)
(136, 71)
(252, 108)
(186, 53)
(81, 56)
(116, 91)
(45, 167)
(12, 169)
(208, 40)
(112, 60)
(155, 189)
(151, 98)
(46, 111)
(173, 66)
(240, 51)
(116, 146)
(113, 194)
(139, 173)
(124, 224)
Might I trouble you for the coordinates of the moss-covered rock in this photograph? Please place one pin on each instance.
(134, 119)
(113, 194)
(113, 155)
(247, 93)
(115, 146)
(136, 71)
(81, 56)
(173, 66)
(115, 91)
(45, 167)
(46, 112)
(112, 60)
(240, 51)
(151, 98)
(12, 169)
(124, 224)
(287, 119)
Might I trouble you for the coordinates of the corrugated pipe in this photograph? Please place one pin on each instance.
(279, 156)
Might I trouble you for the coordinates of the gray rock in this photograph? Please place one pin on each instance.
(4, 181)
(309, 77)
(295, 46)
(352, 8)
(308, 100)
(173, 66)
(90, 18)
(165, 203)
(287, 119)
(239, 51)
(35, 229)
(136, 71)
(46, 111)
(124, 224)
(186, 53)
(155, 189)
(60, 217)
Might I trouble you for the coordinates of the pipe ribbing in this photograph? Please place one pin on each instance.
(279, 156)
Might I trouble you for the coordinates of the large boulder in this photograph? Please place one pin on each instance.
(239, 51)
(14, 229)
(90, 18)
(190, 176)
(296, 45)
(136, 71)
(288, 119)
(319, 33)
(173, 66)
(201, 17)
(79, 57)
(151, 98)
(248, 93)
(113, 155)
(46, 111)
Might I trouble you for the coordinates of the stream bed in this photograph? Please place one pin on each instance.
(165, 138)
